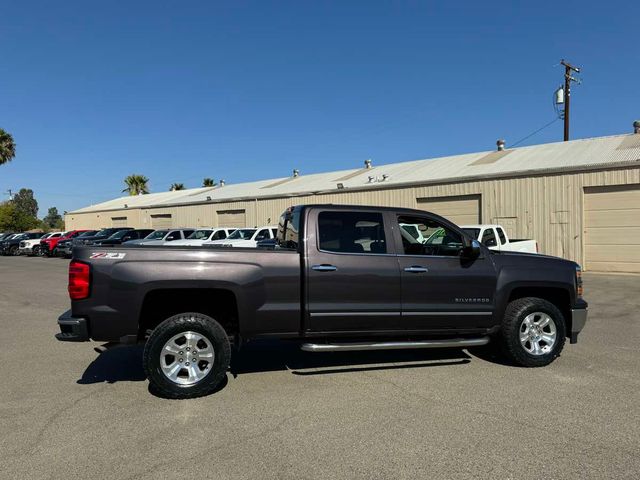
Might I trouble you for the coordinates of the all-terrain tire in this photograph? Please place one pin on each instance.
(513, 326)
(155, 354)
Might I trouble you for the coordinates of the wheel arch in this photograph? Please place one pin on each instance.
(558, 296)
(162, 303)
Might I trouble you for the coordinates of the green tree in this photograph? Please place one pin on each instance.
(7, 147)
(176, 186)
(25, 202)
(53, 219)
(208, 182)
(136, 184)
(12, 219)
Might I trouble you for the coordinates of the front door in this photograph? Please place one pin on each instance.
(441, 289)
(353, 282)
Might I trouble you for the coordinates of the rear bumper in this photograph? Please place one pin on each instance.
(578, 321)
(72, 329)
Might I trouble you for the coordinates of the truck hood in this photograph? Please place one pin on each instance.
(529, 259)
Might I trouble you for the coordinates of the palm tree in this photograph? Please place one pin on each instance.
(136, 184)
(7, 147)
(176, 186)
(208, 182)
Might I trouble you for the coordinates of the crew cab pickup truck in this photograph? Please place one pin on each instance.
(496, 238)
(339, 278)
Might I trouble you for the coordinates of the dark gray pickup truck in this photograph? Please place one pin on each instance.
(337, 278)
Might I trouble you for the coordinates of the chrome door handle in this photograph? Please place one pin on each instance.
(324, 268)
(416, 269)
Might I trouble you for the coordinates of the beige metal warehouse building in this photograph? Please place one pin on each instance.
(579, 199)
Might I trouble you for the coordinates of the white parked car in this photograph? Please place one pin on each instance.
(160, 237)
(246, 237)
(32, 246)
(494, 237)
(202, 235)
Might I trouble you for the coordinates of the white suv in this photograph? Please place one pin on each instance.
(246, 237)
(202, 235)
(32, 246)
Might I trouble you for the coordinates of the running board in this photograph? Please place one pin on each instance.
(351, 347)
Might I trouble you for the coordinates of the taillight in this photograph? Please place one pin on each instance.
(79, 280)
(579, 287)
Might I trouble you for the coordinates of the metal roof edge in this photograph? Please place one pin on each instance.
(443, 181)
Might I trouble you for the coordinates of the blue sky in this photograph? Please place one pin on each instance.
(244, 90)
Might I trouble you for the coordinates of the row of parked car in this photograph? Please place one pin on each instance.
(62, 243)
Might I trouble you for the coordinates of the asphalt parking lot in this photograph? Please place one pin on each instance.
(67, 412)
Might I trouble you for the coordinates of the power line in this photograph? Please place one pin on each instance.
(533, 133)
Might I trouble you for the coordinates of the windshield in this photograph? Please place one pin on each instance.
(242, 234)
(120, 234)
(157, 235)
(200, 235)
(87, 234)
(473, 232)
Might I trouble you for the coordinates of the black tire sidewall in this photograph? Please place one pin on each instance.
(187, 321)
(515, 314)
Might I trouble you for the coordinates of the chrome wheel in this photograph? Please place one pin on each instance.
(538, 333)
(187, 358)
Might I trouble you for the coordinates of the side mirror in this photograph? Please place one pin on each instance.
(471, 249)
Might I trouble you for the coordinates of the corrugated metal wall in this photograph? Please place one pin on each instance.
(548, 208)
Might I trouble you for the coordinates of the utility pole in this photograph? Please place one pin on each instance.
(10, 193)
(568, 78)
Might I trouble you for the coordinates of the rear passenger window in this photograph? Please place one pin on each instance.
(489, 238)
(219, 235)
(351, 232)
(503, 238)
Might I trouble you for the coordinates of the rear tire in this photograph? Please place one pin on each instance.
(533, 332)
(172, 367)
(13, 251)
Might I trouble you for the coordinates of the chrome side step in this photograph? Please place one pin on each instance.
(351, 347)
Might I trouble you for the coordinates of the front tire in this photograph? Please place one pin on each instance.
(533, 332)
(187, 356)
(35, 251)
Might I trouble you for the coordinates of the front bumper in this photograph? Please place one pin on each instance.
(72, 329)
(578, 321)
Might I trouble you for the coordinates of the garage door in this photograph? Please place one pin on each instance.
(463, 210)
(161, 220)
(612, 229)
(118, 221)
(232, 218)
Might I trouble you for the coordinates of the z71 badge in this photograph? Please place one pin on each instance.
(108, 255)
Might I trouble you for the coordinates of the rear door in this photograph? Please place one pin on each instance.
(440, 289)
(353, 281)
